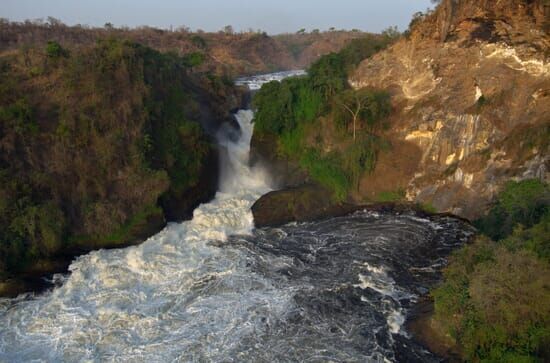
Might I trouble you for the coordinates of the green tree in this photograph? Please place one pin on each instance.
(523, 202)
(194, 59)
(228, 29)
(328, 75)
(363, 108)
(54, 50)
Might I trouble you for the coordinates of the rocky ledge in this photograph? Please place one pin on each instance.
(310, 202)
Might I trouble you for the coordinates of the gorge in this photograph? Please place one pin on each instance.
(164, 196)
(215, 289)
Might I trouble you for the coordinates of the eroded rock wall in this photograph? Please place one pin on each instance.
(471, 89)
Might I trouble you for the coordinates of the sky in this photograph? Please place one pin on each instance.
(273, 16)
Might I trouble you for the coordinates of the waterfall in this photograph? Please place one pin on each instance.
(214, 289)
(152, 301)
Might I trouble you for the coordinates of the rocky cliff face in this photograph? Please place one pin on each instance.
(471, 89)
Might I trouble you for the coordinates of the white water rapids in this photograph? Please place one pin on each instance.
(146, 303)
(255, 83)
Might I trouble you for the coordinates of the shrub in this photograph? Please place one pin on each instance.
(534, 239)
(307, 103)
(523, 202)
(362, 48)
(495, 298)
(391, 196)
(54, 50)
(496, 303)
(427, 207)
(291, 143)
(198, 41)
(194, 59)
(326, 171)
(20, 116)
(360, 157)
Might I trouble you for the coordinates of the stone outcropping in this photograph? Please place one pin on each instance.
(471, 90)
(310, 202)
(301, 204)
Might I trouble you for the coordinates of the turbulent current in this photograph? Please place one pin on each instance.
(214, 289)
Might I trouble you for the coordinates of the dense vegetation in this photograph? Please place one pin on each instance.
(99, 139)
(292, 111)
(495, 300)
(90, 139)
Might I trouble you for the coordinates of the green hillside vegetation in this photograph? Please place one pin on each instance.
(495, 299)
(91, 137)
(291, 111)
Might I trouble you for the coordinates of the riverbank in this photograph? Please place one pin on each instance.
(425, 330)
(40, 276)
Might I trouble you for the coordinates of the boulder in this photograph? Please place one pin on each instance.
(301, 204)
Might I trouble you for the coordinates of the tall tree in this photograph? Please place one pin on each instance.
(363, 107)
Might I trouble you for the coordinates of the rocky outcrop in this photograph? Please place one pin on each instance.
(470, 87)
(310, 202)
(301, 204)
(486, 20)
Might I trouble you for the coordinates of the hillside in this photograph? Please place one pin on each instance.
(227, 52)
(100, 145)
(108, 133)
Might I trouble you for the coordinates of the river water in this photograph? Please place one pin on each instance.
(214, 289)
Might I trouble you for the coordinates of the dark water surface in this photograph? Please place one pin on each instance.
(353, 279)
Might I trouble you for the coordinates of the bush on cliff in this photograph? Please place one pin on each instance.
(327, 171)
(495, 298)
(520, 203)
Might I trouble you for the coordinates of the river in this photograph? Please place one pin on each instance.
(214, 289)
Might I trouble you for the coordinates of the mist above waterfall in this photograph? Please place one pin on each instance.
(236, 174)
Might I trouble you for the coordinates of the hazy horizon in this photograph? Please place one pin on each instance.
(280, 16)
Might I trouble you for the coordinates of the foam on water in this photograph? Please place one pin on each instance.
(154, 302)
(378, 280)
(254, 83)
